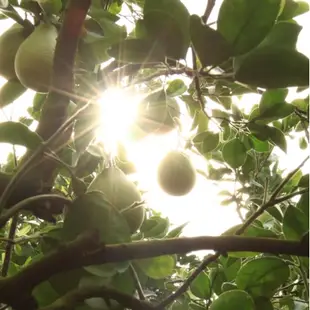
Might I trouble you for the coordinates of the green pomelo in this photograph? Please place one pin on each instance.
(10, 41)
(34, 58)
(176, 174)
(121, 193)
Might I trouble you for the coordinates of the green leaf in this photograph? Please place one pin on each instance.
(93, 52)
(206, 141)
(44, 294)
(176, 88)
(275, 112)
(235, 299)
(273, 67)
(263, 303)
(137, 51)
(301, 104)
(295, 223)
(10, 91)
(261, 132)
(234, 153)
(293, 8)
(167, 22)
(112, 31)
(201, 286)
(304, 181)
(209, 44)
(85, 126)
(303, 144)
(277, 137)
(228, 286)
(251, 231)
(19, 134)
(176, 232)
(231, 267)
(100, 214)
(262, 276)
(249, 165)
(270, 98)
(303, 204)
(157, 267)
(245, 24)
(155, 226)
(217, 277)
(283, 34)
(86, 164)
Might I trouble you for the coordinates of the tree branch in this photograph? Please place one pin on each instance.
(75, 297)
(54, 112)
(208, 10)
(31, 201)
(9, 247)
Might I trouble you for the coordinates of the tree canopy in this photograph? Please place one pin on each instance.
(76, 231)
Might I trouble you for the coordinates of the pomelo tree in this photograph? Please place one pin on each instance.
(76, 232)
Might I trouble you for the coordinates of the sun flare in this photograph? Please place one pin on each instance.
(118, 113)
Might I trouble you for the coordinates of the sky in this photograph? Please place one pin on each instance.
(201, 207)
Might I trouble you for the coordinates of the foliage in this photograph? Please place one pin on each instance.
(70, 246)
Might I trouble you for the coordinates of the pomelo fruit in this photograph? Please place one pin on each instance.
(176, 174)
(34, 58)
(10, 41)
(121, 193)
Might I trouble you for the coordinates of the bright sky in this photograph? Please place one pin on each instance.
(201, 207)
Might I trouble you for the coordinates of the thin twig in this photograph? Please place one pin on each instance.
(273, 200)
(28, 201)
(183, 288)
(208, 10)
(137, 282)
(9, 247)
(285, 181)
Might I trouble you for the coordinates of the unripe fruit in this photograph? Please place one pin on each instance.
(122, 193)
(10, 41)
(176, 174)
(35, 57)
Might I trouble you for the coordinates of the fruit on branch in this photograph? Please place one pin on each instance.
(10, 41)
(34, 58)
(122, 193)
(176, 174)
(156, 113)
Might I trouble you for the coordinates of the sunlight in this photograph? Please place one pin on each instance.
(118, 112)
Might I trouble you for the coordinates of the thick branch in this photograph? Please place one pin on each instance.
(81, 251)
(29, 277)
(54, 112)
(75, 297)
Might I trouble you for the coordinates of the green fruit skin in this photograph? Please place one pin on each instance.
(122, 193)
(176, 174)
(10, 41)
(35, 57)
